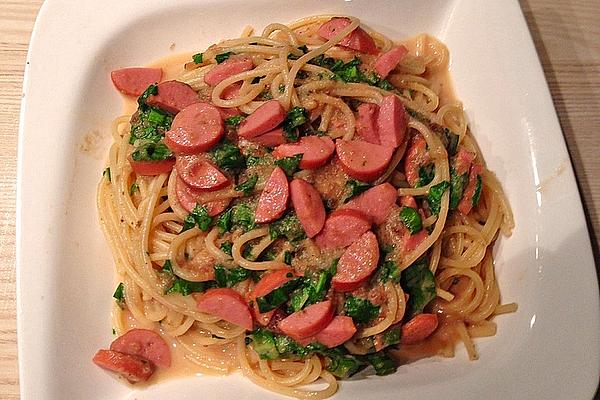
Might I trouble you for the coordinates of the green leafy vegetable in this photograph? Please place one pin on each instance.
(199, 216)
(389, 271)
(230, 277)
(313, 289)
(278, 296)
(243, 216)
(434, 197)
(151, 151)
(119, 293)
(361, 310)
(296, 117)
(349, 72)
(106, 173)
(385, 85)
(167, 267)
(197, 58)
(288, 226)
(263, 342)
(224, 221)
(457, 187)
(356, 188)
(411, 219)
(252, 161)
(133, 188)
(289, 165)
(383, 363)
(418, 282)
(477, 193)
(449, 138)
(302, 48)
(226, 247)
(391, 336)
(181, 285)
(287, 257)
(150, 123)
(150, 90)
(219, 58)
(247, 187)
(228, 156)
(426, 174)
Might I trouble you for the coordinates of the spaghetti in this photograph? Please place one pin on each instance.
(180, 248)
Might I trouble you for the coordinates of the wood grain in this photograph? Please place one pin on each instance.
(567, 38)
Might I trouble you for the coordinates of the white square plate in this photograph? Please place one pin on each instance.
(548, 349)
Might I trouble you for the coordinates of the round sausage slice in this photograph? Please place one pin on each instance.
(195, 129)
(134, 81)
(274, 198)
(375, 202)
(357, 264)
(416, 157)
(362, 160)
(226, 304)
(340, 330)
(308, 206)
(146, 344)
(392, 121)
(388, 60)
(198, 173)
(231, 66)
(342, 228)
(366, 123)
(188, 197)
(309, 321)
(358, 39)
(133, 368)
(270, 139)
(152, 168)
(269, 282)
(419, 328)
(173, 96)
(262, 120)
(315, 150)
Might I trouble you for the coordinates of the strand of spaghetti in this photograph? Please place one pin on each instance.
(293, 379)
(396, 158)
(456, 307)
(343, 107)
(216, 252)
(239, 243)
(482, 329)
(505, 308)
(392, 311)
(466, 339)
(269, 29)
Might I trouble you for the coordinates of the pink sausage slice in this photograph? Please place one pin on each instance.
(416, 156)
(308, 322)
(392, 121)
(362, 160)
(357, 264)
(146, 344)
(134, 81)
(466, 203)
(270, 139)
(316, 151)
(226, 304)
(262, 120)
(151, 168)
(173, 96)
(195, 129)
(463, 160)
(366, 123)
(340, 330)
(269, 282)
(274, 198)
(419, 328)
(133, 368)
(375, 203)
(358, 39)
(231, 66)
(388, 61)
(188, 198)
(308, 206)
(342, 228)
(198, 173)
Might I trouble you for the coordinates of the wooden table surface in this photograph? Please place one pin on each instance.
(567, 38)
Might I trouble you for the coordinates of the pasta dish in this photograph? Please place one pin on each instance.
(300, 205)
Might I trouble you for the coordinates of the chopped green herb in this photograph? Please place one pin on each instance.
(228, 156)
(419, 283)
(226, 247)
(477, 193)
(278, 296)
(361, 310)
(411, 219)
(251, 161)
(349, 71)
(230, 277)
(344, 367)
(356, 188)
(150, 90)
(457, 187)
(385, 85)
(287, 257)
(106, 173)
(289, 165)
(150, 123)
(383, 364)
(391, 336)
(243, 216)
(151, 151)
(434, 197)
(119, 293)
(263, 343)
(389, 271)
(187, 287)
(133, 188)
(426, 174)
(219, 58)
(295, 117)
(234, 120)
(224, 221)
(199, 216)
(247, 187)
(167, 267)
(197, 58)
(288, 226)
(281, 88)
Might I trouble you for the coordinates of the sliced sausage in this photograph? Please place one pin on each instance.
(216, 207)
(315, 150)
(198, 173)
(151, 168)
(411, 242)
(358, 39)
(388, 60)
(188, 198)
(195, 129)
(226, 304)
(416, 157)
(375, 202)
(342, 228)
(357, 264)
(419, 328)
(392, 121)
(134, 81)
(133, 368)
(362, 160)
(308, 206)
(270, 139)
(309, 321)
(269, 282)
(408, 201)
(146, 344)
(228, 112)
(463, 160)
(231, 66)
(273, 200)
(340, 330)
(366, 123)
(262, 120)
(466, 203)
(173, 96)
